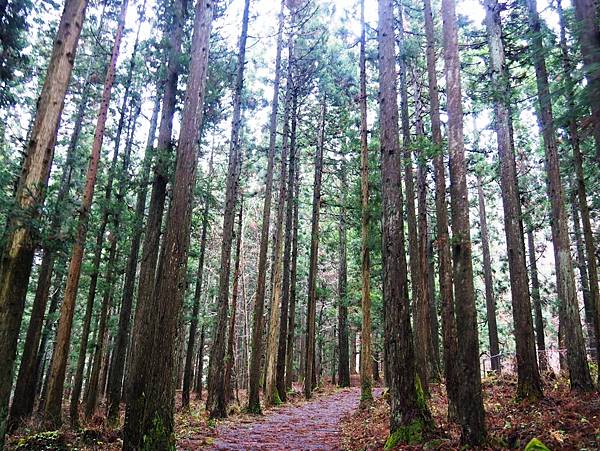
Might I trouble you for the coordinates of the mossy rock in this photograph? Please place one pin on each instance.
(43, 441)
(536, 444)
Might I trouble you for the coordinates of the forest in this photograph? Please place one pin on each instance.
(299, 224)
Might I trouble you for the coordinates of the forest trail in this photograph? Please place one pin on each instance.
(314, 425)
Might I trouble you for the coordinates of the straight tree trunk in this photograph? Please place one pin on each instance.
(287, 254)
(582, 204)
(588, 32)
(529, 384)
(52, 411)
(344, 363)
(490, 299)
(271, 395)
(309, 365)
(149, 414)
(17, 255)
(449, 334)
(198, 387)
(469, 401)
(366, 382)
(123, 333)
(565, 280)
(216, 403)
(230, 357)
(289, 364)
(409, 414)
(537, 303)
(259, 300)
(187, 372)
(25, 388)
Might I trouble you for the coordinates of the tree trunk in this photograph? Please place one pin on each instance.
(52, 412)
(149, 414)
(289, 364)
(187, 372)
(565, 280)
(271, 395)
(198, 386)
(537, 304)
(586, 14)
(259, 300)
(529, 385)
(366, 383)
(408, 409)
(449, 335)
(490, 299)
(230, 357)
(115, 382)
(469, 400)
(594, 86)
(17, 256)
(309, 364)
(216, 402)
(344, 363)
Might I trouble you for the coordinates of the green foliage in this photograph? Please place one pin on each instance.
(43, 441)
(536, 444)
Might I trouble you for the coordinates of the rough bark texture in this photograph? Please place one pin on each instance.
(580, 188)
(469, 400)
(409, 414)
(121, 341)
(149, 414)
(187, 372)
(565, 280)
(529, 385)
(366, 383)
(344, 363)
(309, 358)
(449, 338)
(17, 255)
(259, 300)
(490, 298)
(216, 401)
(537, 303)
(588, 31)
(52, 411)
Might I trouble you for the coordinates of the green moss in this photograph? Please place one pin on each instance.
(44, 440)
(159, 437)
(536, 444)
(411, 434)
(254, 410)
(276, 399)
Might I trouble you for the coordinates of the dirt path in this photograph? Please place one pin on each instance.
(311, 426)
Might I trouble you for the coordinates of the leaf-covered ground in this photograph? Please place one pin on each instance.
(562, 420)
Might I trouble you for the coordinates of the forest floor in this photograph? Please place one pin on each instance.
(331, 421)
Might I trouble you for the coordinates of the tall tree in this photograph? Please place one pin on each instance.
(449, 337)
(149, 415)
(565, 280)
(537, 302)
(17, 255)
(344, 360)
(529, 384)
(490, 298)
(409, 414)
(366, 394)
(187, 372)
(259, 299)
(216, 401)
(469, 400)
(53, 405)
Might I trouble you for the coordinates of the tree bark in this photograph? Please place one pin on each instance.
(366, 382)
(565, 281)
(344, 363)
(216, 402)
(490, 299)
(408, 409)
(309, 364)
(469, 400)
(537, 303)
(259, 300)
(52, 411)
(187, 372)
(17, 255)
(149, 414)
